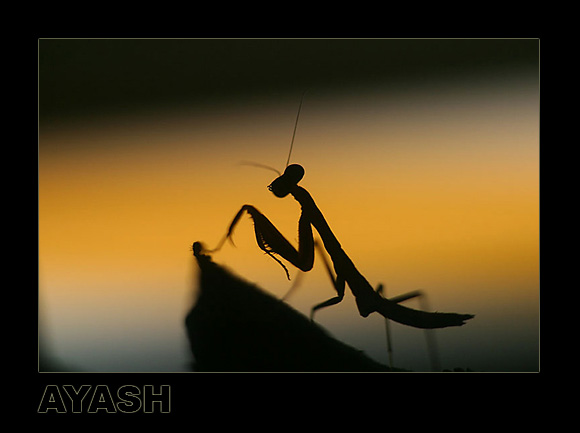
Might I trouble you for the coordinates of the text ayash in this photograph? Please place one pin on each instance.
(100, 398)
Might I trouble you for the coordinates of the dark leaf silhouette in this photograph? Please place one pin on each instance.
(236, 326)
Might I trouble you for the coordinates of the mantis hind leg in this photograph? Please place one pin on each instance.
(272, 242)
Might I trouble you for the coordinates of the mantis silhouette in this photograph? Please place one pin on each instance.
(272, 242)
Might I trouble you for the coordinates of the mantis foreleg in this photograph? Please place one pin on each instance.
(272, 242)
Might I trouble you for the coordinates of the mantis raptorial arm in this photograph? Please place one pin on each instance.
(272, 242)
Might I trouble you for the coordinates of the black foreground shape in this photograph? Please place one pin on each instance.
(237, 327)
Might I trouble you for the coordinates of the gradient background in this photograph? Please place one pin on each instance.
(423, 156)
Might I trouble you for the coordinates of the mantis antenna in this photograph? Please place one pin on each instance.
(295, 126)
(256, 164)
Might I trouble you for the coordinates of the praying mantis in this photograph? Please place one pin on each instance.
(272, 242)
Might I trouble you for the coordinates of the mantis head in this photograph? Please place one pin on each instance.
(281, 186)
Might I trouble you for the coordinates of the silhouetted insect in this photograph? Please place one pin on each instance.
(273, 243)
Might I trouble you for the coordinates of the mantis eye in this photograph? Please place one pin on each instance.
(294, 173)
(282, 185)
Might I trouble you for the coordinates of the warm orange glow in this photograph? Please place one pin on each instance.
(441, 198)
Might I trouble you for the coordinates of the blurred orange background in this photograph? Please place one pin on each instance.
(433, 188)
